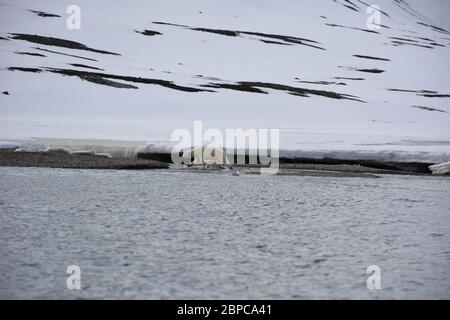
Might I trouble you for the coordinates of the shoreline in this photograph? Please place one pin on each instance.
(57, 159)
(130, 151)
(64, 160)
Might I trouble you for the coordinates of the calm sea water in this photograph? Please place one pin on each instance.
(164, 234)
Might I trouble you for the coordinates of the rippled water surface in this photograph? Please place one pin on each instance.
(165, 234)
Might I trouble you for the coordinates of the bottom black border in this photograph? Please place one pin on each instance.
(234, 309)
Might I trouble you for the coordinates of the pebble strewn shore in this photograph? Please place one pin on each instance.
(11, 158)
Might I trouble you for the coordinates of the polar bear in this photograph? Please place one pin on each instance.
(207, 157)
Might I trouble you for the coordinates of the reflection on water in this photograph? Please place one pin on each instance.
(162, 234)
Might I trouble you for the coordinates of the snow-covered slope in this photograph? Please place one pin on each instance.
(136, 70)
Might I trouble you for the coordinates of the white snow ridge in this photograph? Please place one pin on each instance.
(139, 70)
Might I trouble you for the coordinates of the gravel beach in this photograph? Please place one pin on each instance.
(61, 159)
(10, 158)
